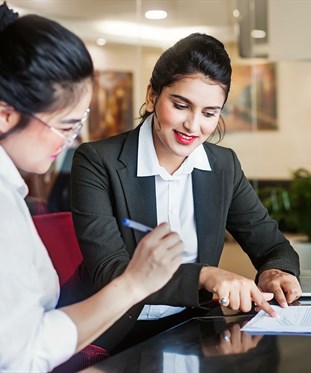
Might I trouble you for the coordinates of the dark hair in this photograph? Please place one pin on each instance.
(196, 53)
(41, 63)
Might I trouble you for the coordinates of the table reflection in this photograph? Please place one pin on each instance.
(200, 345)
(216, 345)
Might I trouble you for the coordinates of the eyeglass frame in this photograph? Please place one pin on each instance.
(74, 131)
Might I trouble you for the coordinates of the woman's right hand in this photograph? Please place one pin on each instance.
(156, 259)
(239, 291)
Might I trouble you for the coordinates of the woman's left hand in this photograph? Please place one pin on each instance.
(283, 285)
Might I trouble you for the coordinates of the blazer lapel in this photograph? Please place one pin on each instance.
(208, 207)
(139, 191)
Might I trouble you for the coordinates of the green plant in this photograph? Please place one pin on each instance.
(277, 201)
(300, 200)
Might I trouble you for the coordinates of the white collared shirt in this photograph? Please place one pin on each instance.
(174, 201)
(34, 336)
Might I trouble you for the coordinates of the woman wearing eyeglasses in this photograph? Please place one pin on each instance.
(45, 91)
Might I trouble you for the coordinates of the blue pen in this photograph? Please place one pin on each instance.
(138, 226)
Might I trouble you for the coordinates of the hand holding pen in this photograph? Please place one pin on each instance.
(156, 258)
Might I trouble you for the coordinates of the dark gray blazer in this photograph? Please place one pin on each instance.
(105, 189)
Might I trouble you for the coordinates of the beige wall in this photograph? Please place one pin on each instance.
(264, 154)
(274, 154)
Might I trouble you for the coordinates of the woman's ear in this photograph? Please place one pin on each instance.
(8, 117)
(150, 99)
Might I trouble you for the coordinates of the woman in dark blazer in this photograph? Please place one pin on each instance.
(166, 170)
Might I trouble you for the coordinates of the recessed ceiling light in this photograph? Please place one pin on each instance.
(258, 34)
(156, 14)
(101, 41)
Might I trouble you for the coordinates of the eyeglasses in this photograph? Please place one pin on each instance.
(68, 135)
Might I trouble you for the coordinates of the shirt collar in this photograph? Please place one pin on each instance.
(10, 174)
(147, 161)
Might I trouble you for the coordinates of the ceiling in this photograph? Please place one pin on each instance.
(123, 21)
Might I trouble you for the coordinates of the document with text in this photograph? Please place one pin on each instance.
(290, 320)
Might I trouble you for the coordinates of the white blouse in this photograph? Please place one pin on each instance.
(174, 201)
(34, 336)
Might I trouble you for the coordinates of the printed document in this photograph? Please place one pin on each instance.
(293, 319)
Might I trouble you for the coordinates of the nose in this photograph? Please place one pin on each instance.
(192, 122)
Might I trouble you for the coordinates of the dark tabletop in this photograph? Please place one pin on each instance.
(212, 344)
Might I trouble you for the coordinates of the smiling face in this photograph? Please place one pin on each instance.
(186, 114)
(35, 147)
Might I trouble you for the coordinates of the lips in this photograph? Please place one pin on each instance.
(183, 138)
(54, 156)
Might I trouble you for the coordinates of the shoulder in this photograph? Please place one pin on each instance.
(112, 152)
(110, 145)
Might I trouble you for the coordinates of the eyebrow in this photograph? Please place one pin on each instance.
(189, 102)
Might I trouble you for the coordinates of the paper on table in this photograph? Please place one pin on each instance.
(293, 319)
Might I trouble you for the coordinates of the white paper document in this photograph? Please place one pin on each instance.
(291, 320)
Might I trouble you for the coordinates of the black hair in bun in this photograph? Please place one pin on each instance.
(7, 16)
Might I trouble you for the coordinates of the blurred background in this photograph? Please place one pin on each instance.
(268, 113)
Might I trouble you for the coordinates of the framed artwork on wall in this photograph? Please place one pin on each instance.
(112, 104)
(252, 102)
